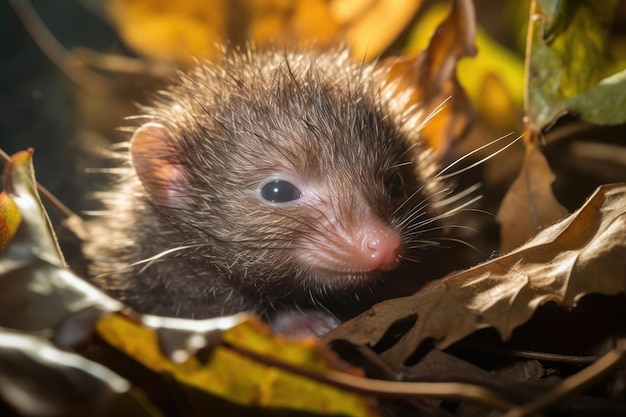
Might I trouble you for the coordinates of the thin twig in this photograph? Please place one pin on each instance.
(70, 65)
(604, 366)
(64, 211)
(390, 389)
(123, 64)
(529, 354)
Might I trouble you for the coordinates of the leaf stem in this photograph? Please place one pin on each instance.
(391, 389)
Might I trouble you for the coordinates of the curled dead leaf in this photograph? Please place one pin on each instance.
(584, 253)
(58, 382)
(430, 76)
(37, 291)
(529, 205)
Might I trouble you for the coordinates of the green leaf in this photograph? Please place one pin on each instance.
(568, 46)
(603, 104)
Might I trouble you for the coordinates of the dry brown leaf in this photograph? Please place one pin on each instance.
(529, 203)
(585, 253)
(564, 67)
(37, 291)
(41, 379)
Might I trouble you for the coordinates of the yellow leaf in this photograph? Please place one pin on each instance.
(170, 31)
(10, 219)
(179, 32)
(289, 22)
(239, 379)
(371, 26)
(430, 77)
(493, 79)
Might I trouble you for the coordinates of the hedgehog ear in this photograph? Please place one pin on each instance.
(151, 150)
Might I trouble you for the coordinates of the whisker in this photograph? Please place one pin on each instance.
(419, 232)
(401, 164)
(424, 201)
(151, 260)
(462, 242)
(455, 197)
(433, 113)
(455, 210)
(440, 174)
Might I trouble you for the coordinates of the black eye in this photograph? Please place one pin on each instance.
(395, 185)
(280, 192)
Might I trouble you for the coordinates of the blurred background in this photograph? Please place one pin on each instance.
(72, 70)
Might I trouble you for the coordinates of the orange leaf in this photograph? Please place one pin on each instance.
(431, 78)
(10, 219)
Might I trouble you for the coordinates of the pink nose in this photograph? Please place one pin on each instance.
(380, 248)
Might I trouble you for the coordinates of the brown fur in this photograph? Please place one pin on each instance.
(228, 128)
